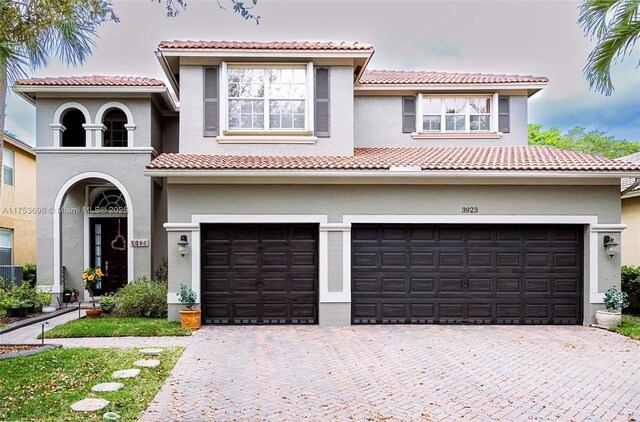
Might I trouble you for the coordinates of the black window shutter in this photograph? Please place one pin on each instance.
(211, 102)
(408, 114)
(322, 116)
(503, 115)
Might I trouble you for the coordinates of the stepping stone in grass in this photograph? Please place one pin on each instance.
(111, 416)
(107, 387)
(147, 363)
(89, 405)
(126, 373)
(152, 352)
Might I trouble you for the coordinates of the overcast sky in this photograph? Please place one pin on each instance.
(510, 36)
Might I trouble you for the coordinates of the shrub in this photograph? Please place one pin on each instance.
(630, 284)
(142, 297)
(615, 300)
(107, 303)
(29, 274)
(161, 274)
(19, 296)
(187, 296)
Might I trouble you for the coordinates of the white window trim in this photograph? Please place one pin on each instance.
(12, 167)
(228, 135)
(492, 133)
(11, 234)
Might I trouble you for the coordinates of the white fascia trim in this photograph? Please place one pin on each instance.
(387, 173)
(167, 71)
(591, 267)
(608, 228)
(444, 87)
(231, 53)
(89, 89)
(96, 150)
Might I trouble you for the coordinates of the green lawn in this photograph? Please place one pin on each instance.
(117, 327)
(630, 326)
(43, 386)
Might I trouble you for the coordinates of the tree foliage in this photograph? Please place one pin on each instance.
(615, 26)
(578, 139)
(173, 8)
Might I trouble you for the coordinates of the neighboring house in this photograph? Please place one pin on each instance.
(18, 204)
(630, 204)
(293, 185)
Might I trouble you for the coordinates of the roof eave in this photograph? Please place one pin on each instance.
(531, 87)
(389, 173)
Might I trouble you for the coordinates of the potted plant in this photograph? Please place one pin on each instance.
(189, 318)
(107, 303)
(91, 277)
(614, 301)
(69, 294)
(15, 307)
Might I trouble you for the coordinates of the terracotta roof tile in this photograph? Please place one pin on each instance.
(94, 80)
(274, 45)
(428, 78)
(431, 158)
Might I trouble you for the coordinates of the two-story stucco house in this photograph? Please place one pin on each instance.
(309, 189)
(17, 203)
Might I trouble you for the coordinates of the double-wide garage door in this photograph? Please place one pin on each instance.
(260, 274)
(467, 274)
(489, 274)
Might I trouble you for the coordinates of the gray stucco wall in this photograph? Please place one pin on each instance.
(378, 123)
(341, 115)
(338, 200)
(54, 170)
(140, 109)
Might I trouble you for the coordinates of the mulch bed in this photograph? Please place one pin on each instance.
(10, 320)
(12, 348)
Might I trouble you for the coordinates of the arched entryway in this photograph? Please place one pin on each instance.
(93, 225)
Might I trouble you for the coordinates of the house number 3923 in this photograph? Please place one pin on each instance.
(469, 210)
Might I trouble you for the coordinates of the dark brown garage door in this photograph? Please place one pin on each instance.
(260, 274)
(467, 274)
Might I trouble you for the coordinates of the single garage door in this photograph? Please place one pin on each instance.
(480, 274)
(260, 274)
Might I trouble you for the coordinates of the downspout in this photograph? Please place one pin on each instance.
(631, 187)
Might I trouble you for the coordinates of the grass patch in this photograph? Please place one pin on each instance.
(630, 326)
(44, 386)
(117, 327)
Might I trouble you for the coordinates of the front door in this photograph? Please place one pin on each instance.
(109, 252)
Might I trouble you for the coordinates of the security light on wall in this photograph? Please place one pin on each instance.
(183, 245)
(610, 245)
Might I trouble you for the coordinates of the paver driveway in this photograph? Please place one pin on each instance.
(403, 373)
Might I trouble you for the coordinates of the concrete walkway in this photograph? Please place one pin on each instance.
(29, 335)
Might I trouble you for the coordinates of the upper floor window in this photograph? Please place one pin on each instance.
(115, 134)
(74, 133)
(8, 163)
(455, 114)
(268, 98)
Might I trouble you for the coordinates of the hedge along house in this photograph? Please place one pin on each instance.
(309, 190)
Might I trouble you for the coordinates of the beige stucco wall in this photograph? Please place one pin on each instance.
(13, 199)
(630, 246)
(581, 203)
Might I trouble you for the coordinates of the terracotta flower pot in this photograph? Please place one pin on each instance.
(94, 313)
(190, 318)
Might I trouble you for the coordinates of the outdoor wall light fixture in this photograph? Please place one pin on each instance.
(183, 245)
(610, 245)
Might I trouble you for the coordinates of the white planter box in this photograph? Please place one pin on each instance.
(608, 319)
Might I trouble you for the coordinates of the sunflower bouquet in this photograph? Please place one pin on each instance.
(91, 278)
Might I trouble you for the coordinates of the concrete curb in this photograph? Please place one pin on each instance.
(30, 321)
(31, 352)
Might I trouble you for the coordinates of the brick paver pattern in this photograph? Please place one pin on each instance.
(403, 373)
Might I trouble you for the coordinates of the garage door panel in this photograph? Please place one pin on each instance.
(502, 274)
(259, 273)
